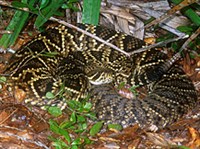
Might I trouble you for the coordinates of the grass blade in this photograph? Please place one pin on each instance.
(47, 11)
(91, 11)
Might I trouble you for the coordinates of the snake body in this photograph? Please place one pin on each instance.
(62, 56)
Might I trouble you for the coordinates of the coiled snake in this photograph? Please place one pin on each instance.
(61, 56)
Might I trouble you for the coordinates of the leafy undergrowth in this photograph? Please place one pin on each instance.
(22, 126)
(26, 127)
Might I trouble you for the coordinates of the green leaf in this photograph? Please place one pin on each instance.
(55, 111)
(16, 24)
(73, 1)
(73, 104)
(59, 144)
(72, 127)
(48, 11)
(133, 89)
(70, 5)
(3, 79)
(65, 134)
(80, 118)
(121, 85)
(60, 14)
(87, 106)
(84, 126)
(115, 126)
(43, 4)
(54, 126)
(185, 29)
(163, 38)
(51, 138)
(91, 115)
(19, 4)
(189, 12)
(87, 140)
(62, 90)
(66, 124)
(81, 127)
(96, 128)
(56, 129)
(73, 117)
(91, 11)
(77, 141)
(49, 95)
(74, 147)
(192, 56)
(175, 46)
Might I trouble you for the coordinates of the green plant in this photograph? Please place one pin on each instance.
(91, 11)
(26, 9)
(73, 132)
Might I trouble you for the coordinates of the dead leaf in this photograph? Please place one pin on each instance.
(159, 140)
(19, 95)
(150, 40)
(195, 135)
(3, 116)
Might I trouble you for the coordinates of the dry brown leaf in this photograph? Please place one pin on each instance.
(159, 140)
(125, 92)
(109, 139)
(134, 144)
(111, 145)
(19, 95)
(150, 40)
(117, 11)
(3, 116)
(195, 135)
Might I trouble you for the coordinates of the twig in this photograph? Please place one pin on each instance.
(184, 46)
(89, 34)
(8, 117)
(105, 42)
(157, 44)
(71, 26)
(4, 3)
(38, 143)
(113, 46)
(5, 32)
(8, 4)
(193, 36)
(170, 12)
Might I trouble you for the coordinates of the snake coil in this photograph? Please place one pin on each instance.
(63, 56)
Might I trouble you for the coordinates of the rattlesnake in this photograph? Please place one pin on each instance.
(62, 56)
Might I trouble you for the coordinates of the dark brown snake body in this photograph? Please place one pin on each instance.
(61, 56)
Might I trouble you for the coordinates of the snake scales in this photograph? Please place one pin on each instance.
(61, 56)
